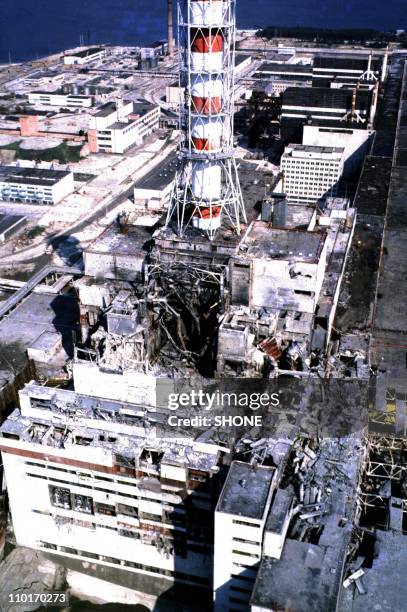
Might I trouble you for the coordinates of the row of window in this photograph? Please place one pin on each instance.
(199, 580)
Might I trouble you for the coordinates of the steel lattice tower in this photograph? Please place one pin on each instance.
(207, 189)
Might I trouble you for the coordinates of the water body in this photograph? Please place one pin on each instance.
(34, 28)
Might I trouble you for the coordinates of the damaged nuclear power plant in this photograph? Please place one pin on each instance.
(203, 382)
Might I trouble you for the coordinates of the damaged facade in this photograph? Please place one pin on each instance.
(241, 520)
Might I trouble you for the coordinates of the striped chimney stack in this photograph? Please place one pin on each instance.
(207, 187)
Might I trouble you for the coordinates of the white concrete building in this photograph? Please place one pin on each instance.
(279, 268)
(311, 173)
(240, 519)
(81, 491)
(44, 78)
(79, 58)
(58, 98)
(156, 186)
(36, 185)
(117, 126)
(353, 140)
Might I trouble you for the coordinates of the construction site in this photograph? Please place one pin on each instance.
(215, 285)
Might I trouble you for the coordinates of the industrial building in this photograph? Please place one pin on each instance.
(355, 142)
(324, 107)
(222, 281)
(106, 489)
(155, 188)
(277, 77)
(59, 98)
(44, 78)
(85, 56)
(117, 126)
(312, 173)
(35, 185)
(335, 70)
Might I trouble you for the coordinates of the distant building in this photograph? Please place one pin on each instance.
(35, 185)
(242, 62)
(277, 85)
(117, 126)
(333, 69)
(85, 56)
(155, 50)
(174, 95)
(274, 71)
(59, 98)
(311, 173)
(321, 106)
(44, 78)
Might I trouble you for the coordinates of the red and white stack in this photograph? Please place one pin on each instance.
(207, 31)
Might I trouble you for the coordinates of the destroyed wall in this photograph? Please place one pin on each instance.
(123, 385)
(277, 283)
(114, 266)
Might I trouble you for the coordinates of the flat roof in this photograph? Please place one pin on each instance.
(38, 312)
(57, 92)
(383, 592)
(306, 578)
(85, 52)
(271, 67)
(240, 58)
(373, 188)
(143, 107)
(112, 240)
(246, 490)
(161, 175)
(325, 97)
(279, 509)
(346, 62)
(106, 109)
(263, 241)
(316, 149)
(33, 176)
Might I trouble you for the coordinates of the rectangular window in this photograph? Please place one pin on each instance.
(105, 509)
(82, 503)
(60, 498)
(128, 510)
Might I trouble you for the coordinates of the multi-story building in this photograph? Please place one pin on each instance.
(97, 482)
(240, 517)
(281, 76)
(36, 185)
(79, 58)
(311, 173)
(324, 107)
(117, 126)
(44, 78)
(355, 142)
(330, 70)
(59, 98)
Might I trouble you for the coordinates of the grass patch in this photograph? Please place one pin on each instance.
(35, 231)
(63, 153)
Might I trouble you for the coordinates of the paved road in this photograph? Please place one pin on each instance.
(104, 207)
